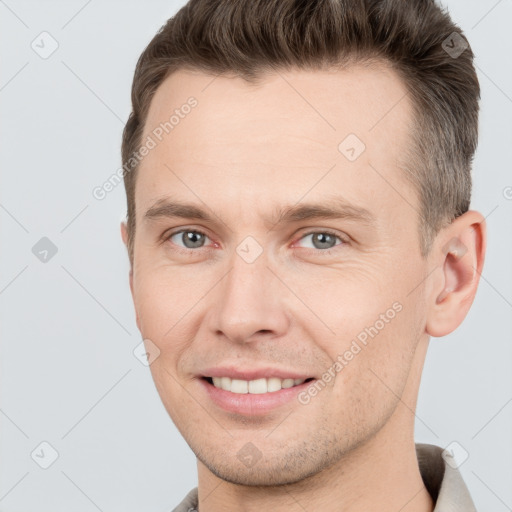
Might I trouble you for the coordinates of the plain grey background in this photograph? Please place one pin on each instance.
(68, 373)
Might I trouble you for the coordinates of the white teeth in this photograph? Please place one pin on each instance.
(273, 384)
(239, 386)
(225, 383)
(287, 383)
(258, 386)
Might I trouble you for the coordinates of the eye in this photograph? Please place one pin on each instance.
(191, 239)
(322, 240)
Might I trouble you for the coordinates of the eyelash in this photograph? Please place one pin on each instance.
(323, 232)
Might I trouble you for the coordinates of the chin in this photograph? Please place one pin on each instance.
(280, 470)
(263, 477)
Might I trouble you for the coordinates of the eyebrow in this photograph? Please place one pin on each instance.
(331, 208)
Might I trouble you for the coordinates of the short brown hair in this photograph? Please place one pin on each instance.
(249, 37)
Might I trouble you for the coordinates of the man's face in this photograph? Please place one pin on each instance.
(250, 290)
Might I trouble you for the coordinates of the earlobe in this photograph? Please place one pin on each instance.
(461, 256)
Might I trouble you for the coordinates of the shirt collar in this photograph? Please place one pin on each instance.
(443, 479)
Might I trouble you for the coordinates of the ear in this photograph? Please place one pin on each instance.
(124, 236)
(459, 254)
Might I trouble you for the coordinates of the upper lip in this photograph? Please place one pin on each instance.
(253, 373)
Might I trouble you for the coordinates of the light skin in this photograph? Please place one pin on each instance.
(243, 154)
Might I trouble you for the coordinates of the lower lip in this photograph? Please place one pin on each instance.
(252, 404)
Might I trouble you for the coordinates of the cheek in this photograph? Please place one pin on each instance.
(376, 358)
(373, 331)
(163, 298)
(346, 300)
(365, 295)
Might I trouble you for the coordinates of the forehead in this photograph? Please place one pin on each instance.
(293, 133)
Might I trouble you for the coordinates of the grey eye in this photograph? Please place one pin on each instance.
(189, 239)
(322, 240)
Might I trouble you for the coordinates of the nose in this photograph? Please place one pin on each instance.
(249, 303)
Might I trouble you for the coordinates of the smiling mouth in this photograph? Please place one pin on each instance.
(256, 387)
